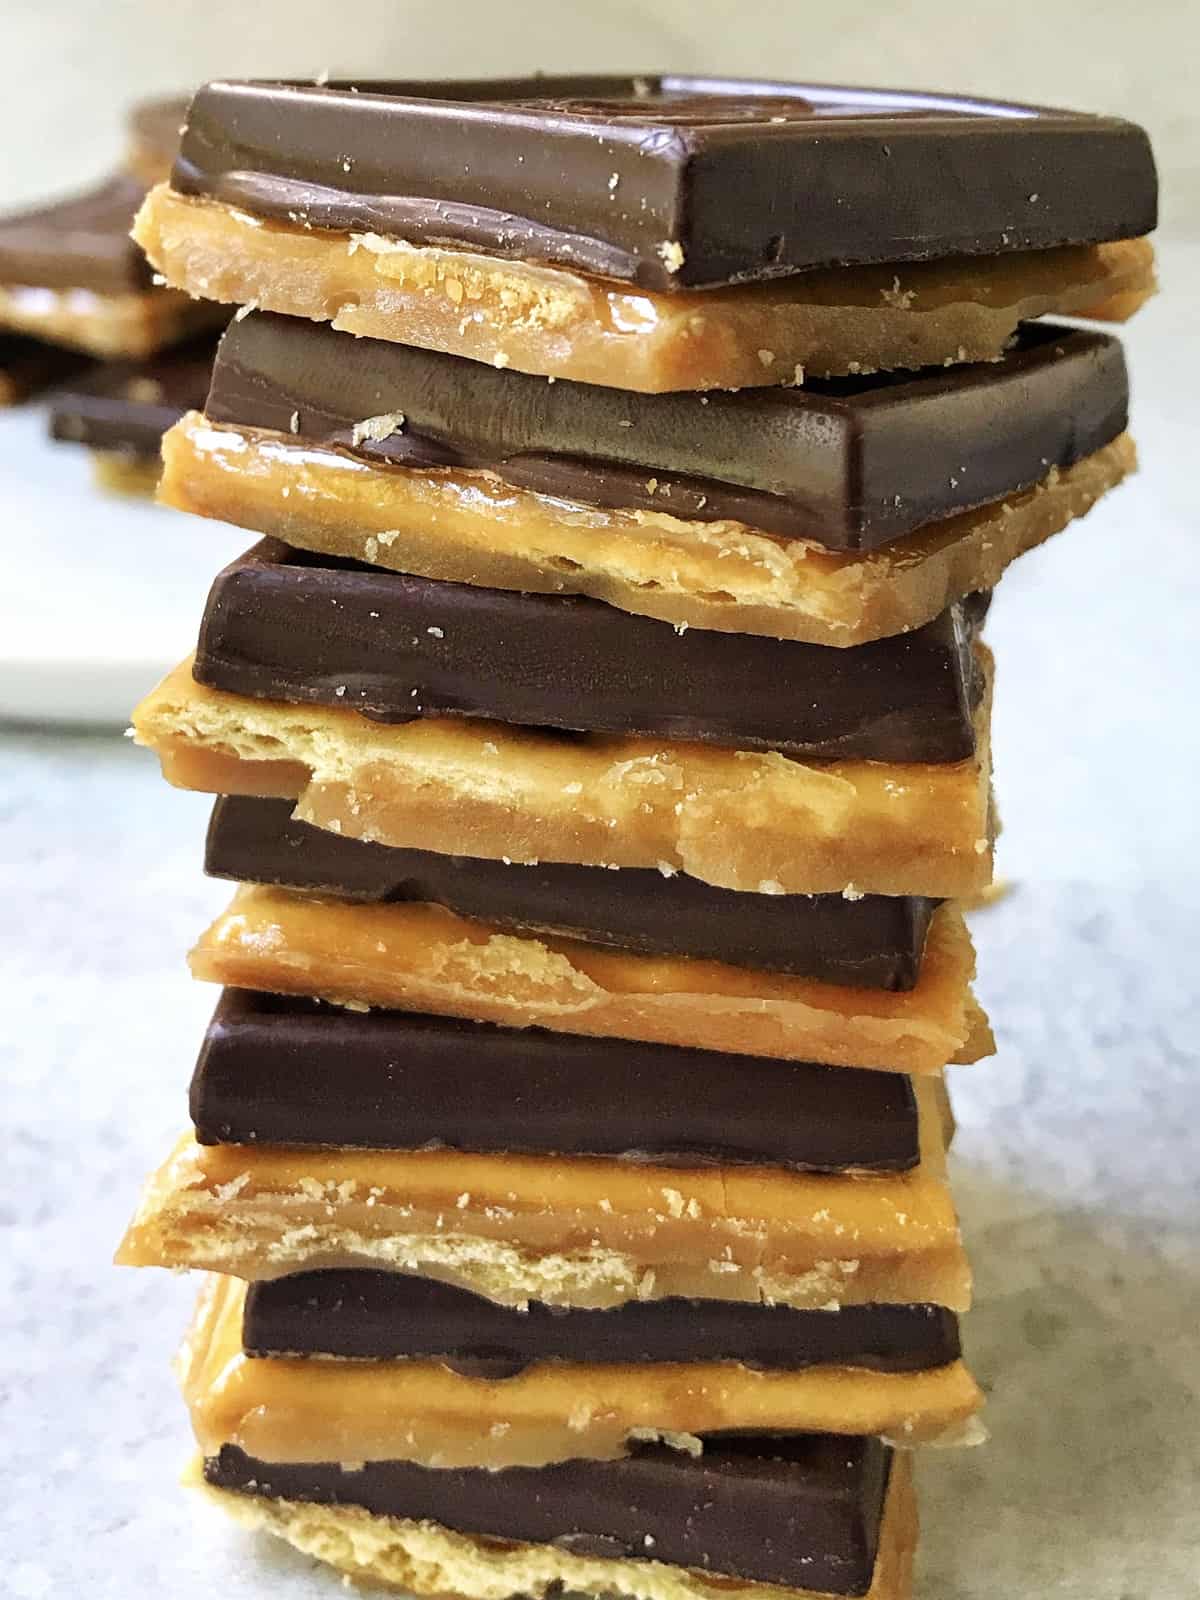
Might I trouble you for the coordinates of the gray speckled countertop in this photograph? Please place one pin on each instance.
(1077, 1162)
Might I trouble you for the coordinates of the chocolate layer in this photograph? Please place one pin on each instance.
(385, 1315)
(81, 243)
(288, 1071)
(875, 943)
(851, 463)
(283, 624)
(129, 405)
(803, 1511)
(671, 182)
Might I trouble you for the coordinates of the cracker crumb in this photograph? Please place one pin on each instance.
(770, 886)
(613, 181)
(851, 892)
(670, 252)
(294, 422)
(766, 357)
(500, 359)
(436, 633)
(572, 788)
(377, 428)
(900, 298)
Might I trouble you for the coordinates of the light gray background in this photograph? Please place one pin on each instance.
(1077, 1160)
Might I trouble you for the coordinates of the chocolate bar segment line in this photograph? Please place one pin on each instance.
(283, 625)
(275, 1070)
(669, 182)
(876, 942)
(385, 1315)
(848, 463)
(803, 1511)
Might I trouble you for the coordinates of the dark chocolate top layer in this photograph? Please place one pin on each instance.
(874, 943)
(803, 1510)
(81, 243)
(283, 624)
(385, 1315)
(129, 405)
(670, 182)
(278, 1070)
(851, 463)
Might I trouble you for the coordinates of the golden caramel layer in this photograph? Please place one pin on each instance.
(584, 1231)
(762, 823)
(425, 958)
(423, 1558)
(553, 321)
(300, 1409)
(472, 527)
(105, 325)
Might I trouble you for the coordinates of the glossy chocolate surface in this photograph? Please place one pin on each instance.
(874, 943)
(850, 463)
(283, 624)
(80, 243)
(803, 1511)
(129, 405)
(286, 1071)
(385, 1315)
(669, 182)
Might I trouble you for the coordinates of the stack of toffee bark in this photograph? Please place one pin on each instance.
(601, 742)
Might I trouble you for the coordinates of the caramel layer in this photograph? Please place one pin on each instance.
(424, 958)
(309, 1409)
(761, 823)
(556, 322)
(589, 1232)
(106, 325)
(472, 527)
(423, 1558)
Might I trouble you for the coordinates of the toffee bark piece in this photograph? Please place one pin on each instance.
(385, 1315)
(753, 821)
(70, 274)
(426, 1558)
(669, 182)
(809, 1509)
(848, 464)
(585, 1232)
(80, 243)
(875, 942)
(297, 1408)
(422, 958)
(548, 320)
(472, 527)
(124, 408)
(154, 128)
(288, 1071)
(29, 365)
(290, 626)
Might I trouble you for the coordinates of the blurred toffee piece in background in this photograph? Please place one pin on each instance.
(121, 410)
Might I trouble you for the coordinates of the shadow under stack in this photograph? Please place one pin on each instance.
(600, 733)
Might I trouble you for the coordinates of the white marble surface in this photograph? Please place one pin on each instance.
(1077, 1163)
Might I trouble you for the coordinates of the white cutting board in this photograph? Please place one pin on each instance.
(99, 593)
